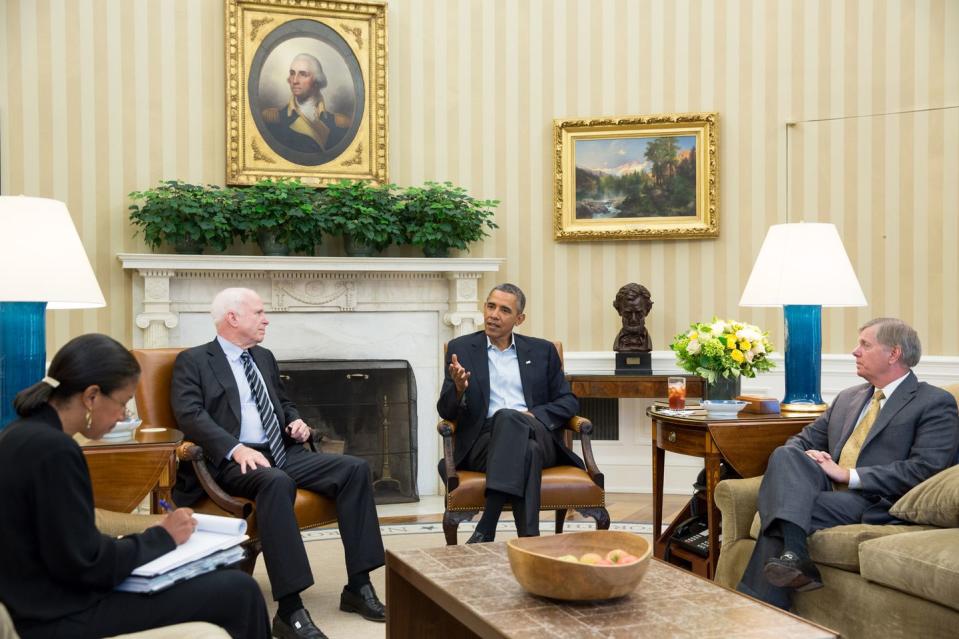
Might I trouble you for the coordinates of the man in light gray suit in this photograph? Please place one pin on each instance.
(874, 443)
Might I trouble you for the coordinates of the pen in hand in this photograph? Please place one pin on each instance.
(166, 506)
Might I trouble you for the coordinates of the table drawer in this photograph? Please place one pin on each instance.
(676, 439)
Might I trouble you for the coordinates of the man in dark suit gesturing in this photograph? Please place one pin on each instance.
(228, 398)
(874, 443)
(511, 400)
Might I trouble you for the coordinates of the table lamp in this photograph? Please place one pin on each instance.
(803, 267)
(42, 265)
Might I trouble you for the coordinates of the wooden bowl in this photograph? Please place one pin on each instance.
(536, 566)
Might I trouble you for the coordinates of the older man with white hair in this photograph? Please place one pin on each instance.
(228, 397)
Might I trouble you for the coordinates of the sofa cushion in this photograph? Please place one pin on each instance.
(924, 564)
(839, 546)
(934, 501)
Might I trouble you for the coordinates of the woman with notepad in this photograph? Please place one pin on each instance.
(59, 572)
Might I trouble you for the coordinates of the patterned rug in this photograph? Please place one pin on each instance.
(322, 534)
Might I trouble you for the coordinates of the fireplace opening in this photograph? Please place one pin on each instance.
(369, 406)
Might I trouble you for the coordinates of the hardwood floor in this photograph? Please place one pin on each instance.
(624, 507)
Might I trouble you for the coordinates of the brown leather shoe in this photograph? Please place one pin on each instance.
(789, 571)
(301, 626)
(365, 603)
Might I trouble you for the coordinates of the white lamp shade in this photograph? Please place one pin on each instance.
(802, 264)
(41, 256)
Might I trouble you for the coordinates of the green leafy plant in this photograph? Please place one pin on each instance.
(439, 217)
(726, 348)
(187, 216)
(365, 212)
(284, 210)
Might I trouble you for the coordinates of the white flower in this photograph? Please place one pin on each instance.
(758, 348)
(718, 328)
(749, 333)
(693, 347)
(749, 356)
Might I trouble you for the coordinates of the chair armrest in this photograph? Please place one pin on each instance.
(188, 451)
(117, 524)
(584, 427)
(446, 428)
(736, 500)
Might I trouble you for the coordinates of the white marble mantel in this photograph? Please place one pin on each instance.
(324, 308)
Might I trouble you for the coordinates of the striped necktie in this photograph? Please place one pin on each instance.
(267, 415)
(850, 451)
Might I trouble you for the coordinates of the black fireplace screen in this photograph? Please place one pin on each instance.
(369, 405)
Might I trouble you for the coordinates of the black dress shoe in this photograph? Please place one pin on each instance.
(299, 627)
(479, 537)
(789, 571)
(365, 603)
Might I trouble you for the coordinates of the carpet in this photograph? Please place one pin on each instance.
(325, 553)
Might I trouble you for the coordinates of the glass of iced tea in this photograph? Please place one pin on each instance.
(676, 388)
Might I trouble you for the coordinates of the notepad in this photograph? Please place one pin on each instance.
(150, 585)
(212, 534)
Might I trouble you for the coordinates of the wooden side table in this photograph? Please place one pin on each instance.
(124, 472)
(744, 442)
(641, 386)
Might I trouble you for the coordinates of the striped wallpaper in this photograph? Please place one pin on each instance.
(102, 97)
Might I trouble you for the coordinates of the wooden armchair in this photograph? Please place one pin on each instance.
(563, 487)
(154, 408)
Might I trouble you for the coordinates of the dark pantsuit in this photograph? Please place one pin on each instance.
(513, 449)
(242, 613)
(343, 478)
(796, 490)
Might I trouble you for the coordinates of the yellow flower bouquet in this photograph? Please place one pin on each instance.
(726, 348)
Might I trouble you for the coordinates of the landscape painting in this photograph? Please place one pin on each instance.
(641, 177)
(636, 177)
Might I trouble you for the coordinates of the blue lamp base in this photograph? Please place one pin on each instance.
(23, 351)
(803, 359)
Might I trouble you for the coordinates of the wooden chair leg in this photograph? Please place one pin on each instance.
(253, 549)
(560, 520)
(452, 520)
(601, 515)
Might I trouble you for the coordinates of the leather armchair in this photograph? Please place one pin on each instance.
(154, 408)
(563, 487)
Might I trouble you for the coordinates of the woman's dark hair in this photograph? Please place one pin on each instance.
(88, 360)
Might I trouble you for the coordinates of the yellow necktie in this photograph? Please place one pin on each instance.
(850, 452)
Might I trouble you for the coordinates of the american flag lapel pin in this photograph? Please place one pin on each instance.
(528, 362)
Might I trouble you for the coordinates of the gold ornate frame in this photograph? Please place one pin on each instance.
(705, 222)
(356, 34)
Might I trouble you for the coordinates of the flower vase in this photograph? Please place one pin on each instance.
(724, 387)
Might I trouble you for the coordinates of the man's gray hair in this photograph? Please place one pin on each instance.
(229, 299)
(315, 68)
(512, 289)
(895, 332)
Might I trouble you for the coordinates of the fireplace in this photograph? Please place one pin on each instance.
(370, 406)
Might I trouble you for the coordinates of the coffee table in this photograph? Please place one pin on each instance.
(470, 591)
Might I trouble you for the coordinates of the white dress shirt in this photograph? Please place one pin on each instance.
(505, 384)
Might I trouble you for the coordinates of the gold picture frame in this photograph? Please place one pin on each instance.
(306, 91)
(645, 177)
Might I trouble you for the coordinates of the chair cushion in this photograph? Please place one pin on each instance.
(839, 546)
(934, 501)
(924, 564)
(312, 510)
(563, 487)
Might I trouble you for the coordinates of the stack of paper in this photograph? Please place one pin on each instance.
(214, 544)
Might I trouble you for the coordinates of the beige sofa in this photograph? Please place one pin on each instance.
(879, 581)
(117, 524)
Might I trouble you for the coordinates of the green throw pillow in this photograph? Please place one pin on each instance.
(934, 502)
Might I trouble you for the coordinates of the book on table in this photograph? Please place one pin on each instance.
(214, 544)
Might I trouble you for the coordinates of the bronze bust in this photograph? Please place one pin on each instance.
(633, 304)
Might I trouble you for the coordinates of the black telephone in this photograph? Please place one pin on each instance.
(692, 535)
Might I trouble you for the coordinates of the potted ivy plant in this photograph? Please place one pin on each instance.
(187, 216)
(281, 215)
(440, 217)
(365, 214)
